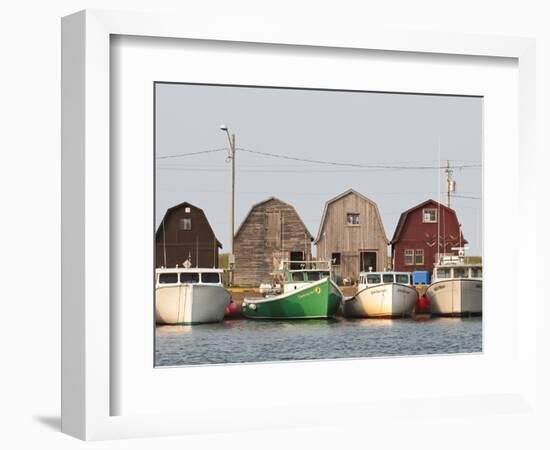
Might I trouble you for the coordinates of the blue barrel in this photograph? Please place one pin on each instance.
(421, 277)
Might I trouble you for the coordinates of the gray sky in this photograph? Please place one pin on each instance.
(355, 127)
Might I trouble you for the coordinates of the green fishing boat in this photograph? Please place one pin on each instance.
(305, 293)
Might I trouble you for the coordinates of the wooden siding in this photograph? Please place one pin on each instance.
(336, 236)
(199, 243)
(268, 234)
(413, 234)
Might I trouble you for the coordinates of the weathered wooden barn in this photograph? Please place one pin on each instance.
(414, 243)
(185, 234)
(272, 231)
(352, 235)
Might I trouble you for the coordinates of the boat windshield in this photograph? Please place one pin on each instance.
(402, 278)
(443, 273)
(387, 278)
(208, 277)
(475, 272)
(373, 278)
(297, 276)
(168, 278)
(189, 277)
(460, 272)
(313, 276)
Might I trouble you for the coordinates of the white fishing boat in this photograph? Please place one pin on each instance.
(382, 295)
(188, 296)
(456, 288)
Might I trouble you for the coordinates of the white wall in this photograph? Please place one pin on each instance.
(30, 187)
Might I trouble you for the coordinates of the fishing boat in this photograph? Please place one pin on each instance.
(382, 295)
(189, 296)
(456, 288)
(305, 293)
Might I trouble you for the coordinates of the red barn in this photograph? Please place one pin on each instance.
(414, 243)
(185, 234)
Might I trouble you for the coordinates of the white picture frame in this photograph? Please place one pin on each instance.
(88, 385)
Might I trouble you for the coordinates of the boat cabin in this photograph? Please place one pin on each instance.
(376, 278)
(458, 271)
(294, 274)
(305, 276)
(178, 276)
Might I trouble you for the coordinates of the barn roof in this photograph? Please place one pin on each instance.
(404, 215)
(268, 200)
(181, 205)
(342, 195)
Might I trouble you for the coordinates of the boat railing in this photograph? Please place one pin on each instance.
(286, 264)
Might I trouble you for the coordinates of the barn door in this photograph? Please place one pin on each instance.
(296, 256)
(273, 229)
(367, 261)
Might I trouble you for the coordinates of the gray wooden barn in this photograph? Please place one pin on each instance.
(272, 231)
(352, 235)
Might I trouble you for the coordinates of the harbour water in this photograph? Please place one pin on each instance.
(239, 341)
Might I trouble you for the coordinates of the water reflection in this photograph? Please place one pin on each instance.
(234, 341)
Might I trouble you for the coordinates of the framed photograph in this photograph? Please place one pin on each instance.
(294, 219)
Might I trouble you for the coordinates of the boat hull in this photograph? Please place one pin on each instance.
(382, 301)
(458, 297)
(190, 304)
(320, 299)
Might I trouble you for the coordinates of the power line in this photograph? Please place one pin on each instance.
(348, 164)
(465, 196)
(180, 155)
(300, 171)
(382, 166)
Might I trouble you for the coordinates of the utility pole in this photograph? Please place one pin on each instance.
(231, 158)
(451, 184)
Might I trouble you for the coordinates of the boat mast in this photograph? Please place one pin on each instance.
(438, 199)
(164, 241)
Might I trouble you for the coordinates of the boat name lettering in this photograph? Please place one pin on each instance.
(441, 286)
(307, 294)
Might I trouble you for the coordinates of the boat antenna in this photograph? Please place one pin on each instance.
(438, 199)
(451, 184)
(164, 241)
(306, 255)
(282, 232)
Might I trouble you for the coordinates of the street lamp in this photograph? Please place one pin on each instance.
(231, 157)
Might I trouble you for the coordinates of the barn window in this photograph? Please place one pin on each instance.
(335, 259)
(185, 224)
(409, 257)
(419, 256)
(429, 215)
(187, 209)
(353, 219)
